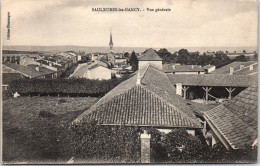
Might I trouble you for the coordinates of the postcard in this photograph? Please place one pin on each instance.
(129, 81)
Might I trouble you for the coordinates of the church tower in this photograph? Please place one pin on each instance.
(111, 42)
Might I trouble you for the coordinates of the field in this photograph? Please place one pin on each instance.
(34, 128)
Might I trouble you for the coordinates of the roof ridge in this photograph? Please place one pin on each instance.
(170, 104)
(141, 77)
(234, 115)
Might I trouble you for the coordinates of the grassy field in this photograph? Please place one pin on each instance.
(34, 128)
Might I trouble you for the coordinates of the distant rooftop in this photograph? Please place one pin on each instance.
(29, 71)
(168, 68)
(150, 55)
(236, 65)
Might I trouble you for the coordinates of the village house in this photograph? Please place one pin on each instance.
(29, 71)
(150, 57)
(97, 70)
(234, 123)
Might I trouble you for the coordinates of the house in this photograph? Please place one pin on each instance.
(233, 67)
(146, 99)
(29, 71)
(94, 70)
(209, 68)
(234, 123)
(183, 69)
(150, 57)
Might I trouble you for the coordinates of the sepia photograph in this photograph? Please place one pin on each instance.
(129, 81)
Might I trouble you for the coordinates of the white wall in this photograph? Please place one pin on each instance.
(211, 69)
(166, 131)
(157, 64)
(100, 73)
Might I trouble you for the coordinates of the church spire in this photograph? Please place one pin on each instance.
(111, 41)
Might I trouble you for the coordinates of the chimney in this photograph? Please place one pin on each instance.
(37, 68)
(179, 89)
(251, 67)
(192, 66)
(173, 66)
(242, 66)
(138, 81)
(231, 70)
(145, 147)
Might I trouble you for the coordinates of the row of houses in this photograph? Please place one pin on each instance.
(37, 66)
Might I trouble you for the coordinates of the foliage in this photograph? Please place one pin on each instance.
(133, 61)
(106, 143)
(241, 58)
(166, 56)
(184, 57)
(64, 86)
(182, 147)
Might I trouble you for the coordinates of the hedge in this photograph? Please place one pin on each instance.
(120, 144)
(93, 142)
(64, 86)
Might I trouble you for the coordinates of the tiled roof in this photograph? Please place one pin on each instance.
(150, 55)
(84, 67)
(153, 103)
(29, 71)
(213, 80)
(235, 65)
(247, 71)
(236, 120)
(9, 77)
(168, 68)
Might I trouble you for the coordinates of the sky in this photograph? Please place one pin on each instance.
(190, 23)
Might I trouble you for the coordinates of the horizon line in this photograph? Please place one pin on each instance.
(121, 46)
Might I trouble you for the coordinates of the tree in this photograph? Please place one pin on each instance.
(165, 55)
(183, 56)
(221, 59)
(241, 58)
(134, 61)
(182, 147)
(13, 59)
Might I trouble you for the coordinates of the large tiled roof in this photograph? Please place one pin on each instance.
(236, 120)
(152, 103)
(150, 55)
(168, 68)
(213, 80)
(235, 65)
(29, 71)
